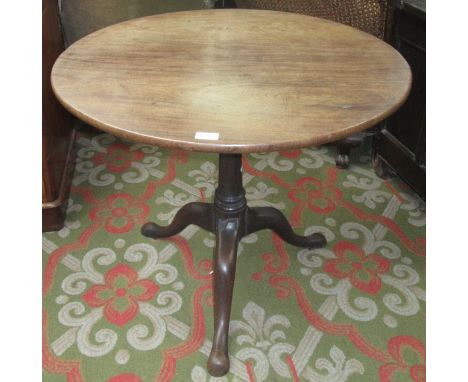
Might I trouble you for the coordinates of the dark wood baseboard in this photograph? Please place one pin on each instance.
(53, 213)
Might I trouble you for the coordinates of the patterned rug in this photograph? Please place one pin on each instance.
(118, 307)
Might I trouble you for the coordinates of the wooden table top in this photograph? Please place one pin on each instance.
(253, 80)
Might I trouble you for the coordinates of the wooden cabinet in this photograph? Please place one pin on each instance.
(401, 144)
(57, 132)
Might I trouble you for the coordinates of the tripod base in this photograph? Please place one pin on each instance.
(230, 219)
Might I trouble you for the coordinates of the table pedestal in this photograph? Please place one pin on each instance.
(230, 219)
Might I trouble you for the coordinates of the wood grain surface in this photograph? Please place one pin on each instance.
(261, 80)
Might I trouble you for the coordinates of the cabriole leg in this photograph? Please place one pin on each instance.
(268, 217)
(224, 264)
(200, 214)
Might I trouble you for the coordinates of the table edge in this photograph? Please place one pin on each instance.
(211, 146)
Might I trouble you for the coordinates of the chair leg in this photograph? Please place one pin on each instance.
(344, 147)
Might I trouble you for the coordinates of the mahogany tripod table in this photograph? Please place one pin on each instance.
(231, 82)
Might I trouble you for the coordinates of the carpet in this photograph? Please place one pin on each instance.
(118, 307)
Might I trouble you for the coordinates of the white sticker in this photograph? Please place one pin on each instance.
(207, 136)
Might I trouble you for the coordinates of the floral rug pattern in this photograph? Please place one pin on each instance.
(119, 307)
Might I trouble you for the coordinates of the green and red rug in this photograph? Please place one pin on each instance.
(118, 307)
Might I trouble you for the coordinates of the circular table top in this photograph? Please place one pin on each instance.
(231, 81)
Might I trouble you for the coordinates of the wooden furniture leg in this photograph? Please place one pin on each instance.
(382, 169)
(200, 214)
(343, 148)
(229, 219)
(225, 255)
(268, 217)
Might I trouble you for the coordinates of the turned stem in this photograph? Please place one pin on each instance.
(230, 193)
